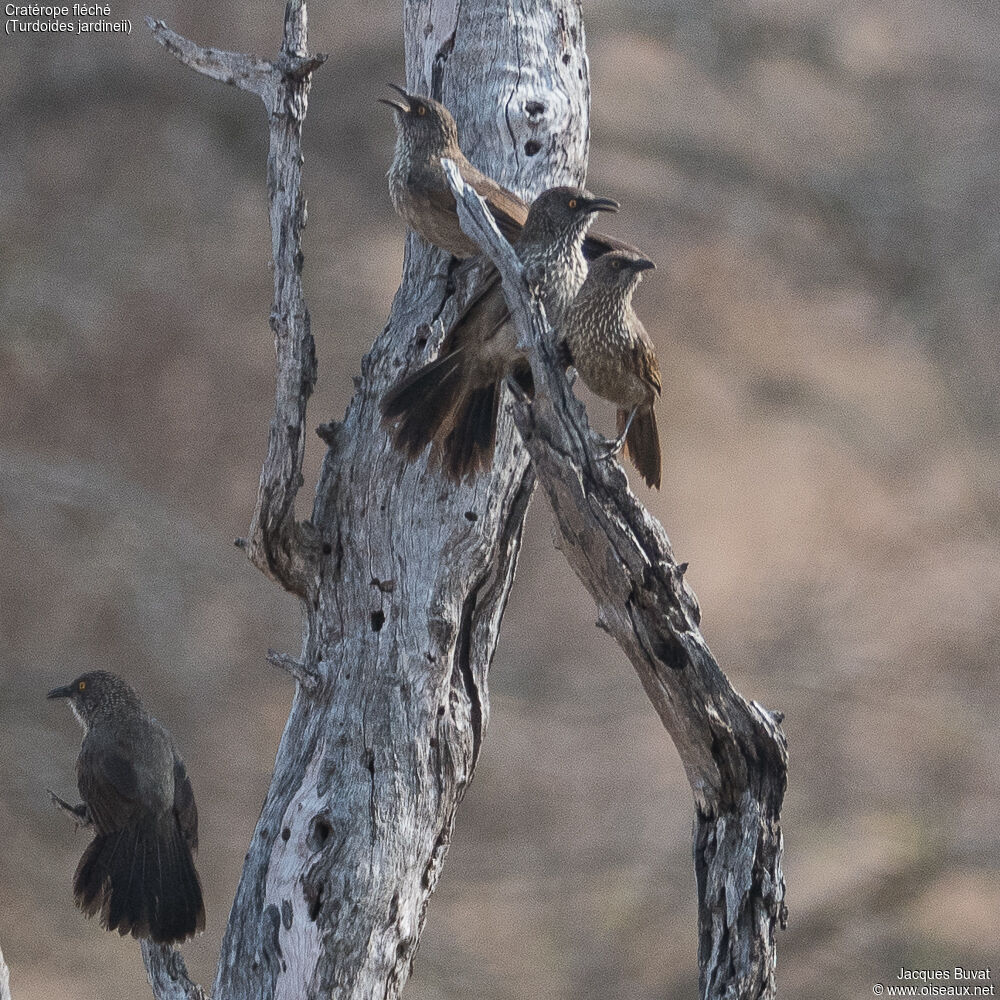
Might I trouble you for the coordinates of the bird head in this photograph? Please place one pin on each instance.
(620, 269)
(563, 212)
(95, 693)
(423, 122)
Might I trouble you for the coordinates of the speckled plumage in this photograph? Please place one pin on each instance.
(614, 355)
(454, 399)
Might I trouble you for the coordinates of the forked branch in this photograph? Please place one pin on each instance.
(278, 544)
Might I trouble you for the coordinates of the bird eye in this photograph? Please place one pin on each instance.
(616, 265)
(82, 685)
(571, 203)
(421, 110)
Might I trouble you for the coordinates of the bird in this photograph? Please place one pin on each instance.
(614, 356)
(138, 872)
(426, 133)
(454, 399)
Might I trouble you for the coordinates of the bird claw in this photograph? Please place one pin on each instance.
(79, 814)
(611, 448)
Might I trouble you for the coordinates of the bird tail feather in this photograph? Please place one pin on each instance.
(142, 881)
(642, 445)
(468, 447)
(416, 408)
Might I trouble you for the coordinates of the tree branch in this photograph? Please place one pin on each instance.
(168, 975)
(278, 544)
(308, 677)
(734, 752)
(78, 814)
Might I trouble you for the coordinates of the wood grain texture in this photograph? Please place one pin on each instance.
(404, 578)
(733, 751)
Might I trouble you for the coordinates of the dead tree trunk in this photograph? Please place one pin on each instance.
(404, 579)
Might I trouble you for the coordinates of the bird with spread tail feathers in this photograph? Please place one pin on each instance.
(454, 400)
(138, 872)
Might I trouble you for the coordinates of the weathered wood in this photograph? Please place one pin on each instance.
(168, 975)
(734, 752)
(404, 578)
(278, 544)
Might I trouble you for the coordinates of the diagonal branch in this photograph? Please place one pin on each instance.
(734, 752)
(278, 544)
(78, 814)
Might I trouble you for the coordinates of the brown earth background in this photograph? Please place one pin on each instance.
(819, 183)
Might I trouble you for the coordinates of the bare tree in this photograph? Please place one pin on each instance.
(404, 579)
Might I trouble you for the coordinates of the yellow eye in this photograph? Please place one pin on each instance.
(421, 110)
(82, 685)
(616, 265)
(571, 203)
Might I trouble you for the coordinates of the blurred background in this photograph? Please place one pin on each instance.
(819, 183)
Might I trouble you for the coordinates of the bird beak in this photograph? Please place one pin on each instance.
(601, 204)
(642, 264)
(63, 692)
(404, 108)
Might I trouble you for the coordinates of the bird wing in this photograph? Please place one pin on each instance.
(110, 788)
(482, 316)
(184, 807)
(644, 354)
(598, 244)
(507, 208)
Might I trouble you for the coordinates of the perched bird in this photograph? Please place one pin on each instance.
(426, 133)
(454, 399)
(138, 871)
(615, 357)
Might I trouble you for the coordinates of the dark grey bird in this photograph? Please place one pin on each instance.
(454, 399)
(614, 355)
(138, 872)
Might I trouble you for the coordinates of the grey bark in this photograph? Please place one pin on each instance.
(733, 751)
(404, 579)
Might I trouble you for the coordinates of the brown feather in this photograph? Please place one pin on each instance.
(643, 443)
